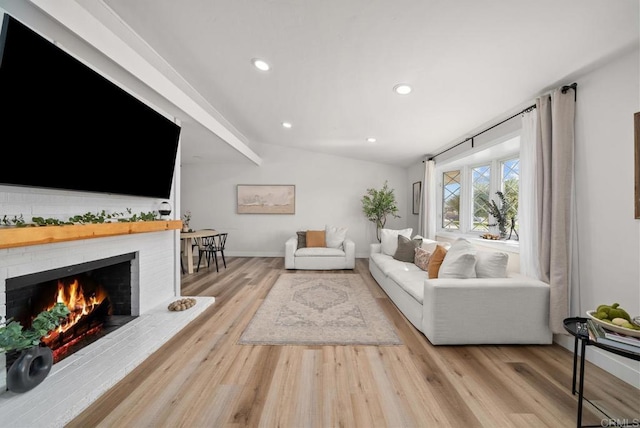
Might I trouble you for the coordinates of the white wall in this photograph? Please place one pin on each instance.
(328, 191)
(607, 256)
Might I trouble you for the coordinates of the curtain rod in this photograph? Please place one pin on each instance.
(564, 90)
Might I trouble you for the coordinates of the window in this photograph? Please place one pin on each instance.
(451, 200)
(471, 183)
(480, 188)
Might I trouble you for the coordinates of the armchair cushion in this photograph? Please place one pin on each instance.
(316, 238)
(302, 239)
(335, 236)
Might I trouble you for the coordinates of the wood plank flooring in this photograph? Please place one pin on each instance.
(202, 378)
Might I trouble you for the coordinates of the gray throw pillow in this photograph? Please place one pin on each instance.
(406, 251)
(302, 239)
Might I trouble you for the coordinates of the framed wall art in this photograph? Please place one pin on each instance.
(417, 194)
(266, 199)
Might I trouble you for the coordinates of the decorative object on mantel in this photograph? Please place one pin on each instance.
(35, 361)
(186, 218)
(182, 304)
(15, 221)
(165, 210)
(88, 218)
(378, 204)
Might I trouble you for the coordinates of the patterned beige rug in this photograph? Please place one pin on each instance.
(319, 309)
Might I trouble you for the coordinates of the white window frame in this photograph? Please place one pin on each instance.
(493, 156)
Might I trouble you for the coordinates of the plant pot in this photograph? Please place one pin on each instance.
(30, 369)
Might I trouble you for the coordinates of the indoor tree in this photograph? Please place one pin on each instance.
(378, 204)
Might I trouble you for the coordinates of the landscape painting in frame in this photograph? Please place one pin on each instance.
(266, 199)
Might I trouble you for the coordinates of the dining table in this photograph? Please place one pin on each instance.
(189, 239)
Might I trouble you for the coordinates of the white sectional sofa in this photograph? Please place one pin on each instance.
(338, 252)
(461, 311)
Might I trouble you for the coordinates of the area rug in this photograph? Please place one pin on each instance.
(319, 309)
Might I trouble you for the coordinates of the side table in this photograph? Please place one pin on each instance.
(577, 327)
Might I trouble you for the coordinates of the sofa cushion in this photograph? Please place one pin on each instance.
(421, 258)
(491, 264)
(387, 263)
(319, 252)
(389, 239)
(411, 281)
(460, 261)
(406, 251)
(302, 239)
(430, 244)
(435, 261)
(316, 238)
(335, 236)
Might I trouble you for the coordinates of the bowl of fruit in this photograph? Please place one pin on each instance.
(614, 318)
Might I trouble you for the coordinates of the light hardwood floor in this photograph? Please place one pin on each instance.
(202, 378)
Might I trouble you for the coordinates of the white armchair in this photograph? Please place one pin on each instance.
(319, 258)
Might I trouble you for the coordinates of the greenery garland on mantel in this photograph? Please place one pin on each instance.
(88, 218)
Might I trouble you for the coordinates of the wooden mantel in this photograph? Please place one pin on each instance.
(37, 235)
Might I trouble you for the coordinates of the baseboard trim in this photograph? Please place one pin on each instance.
(625, 369)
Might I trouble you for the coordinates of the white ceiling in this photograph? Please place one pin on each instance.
(335, 62)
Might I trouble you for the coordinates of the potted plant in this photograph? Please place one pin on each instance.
(504, 215)
(186, 218)
(378, 204)
(35, 361)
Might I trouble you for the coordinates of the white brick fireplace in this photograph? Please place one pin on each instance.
(155, 271)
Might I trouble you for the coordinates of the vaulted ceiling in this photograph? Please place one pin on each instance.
(334, 64)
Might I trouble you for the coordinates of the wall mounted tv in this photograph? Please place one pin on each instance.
(65, 126)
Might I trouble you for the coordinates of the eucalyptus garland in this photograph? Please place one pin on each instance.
(87, 218)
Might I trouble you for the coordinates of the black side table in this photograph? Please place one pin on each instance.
(577, 327)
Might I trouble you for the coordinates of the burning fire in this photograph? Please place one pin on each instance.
(78, 304)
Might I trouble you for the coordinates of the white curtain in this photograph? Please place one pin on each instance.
(528, 224)
(547, 209)
(427, 219)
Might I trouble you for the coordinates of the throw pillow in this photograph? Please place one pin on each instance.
(430, 244)
(460, 261)
(421, 258)
(316, 238)
(302, 239)
(335, 236)
(389, 239)
(435, 261)
(406, 251)
(491, 264)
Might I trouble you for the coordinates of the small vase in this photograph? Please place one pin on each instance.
(30, 369)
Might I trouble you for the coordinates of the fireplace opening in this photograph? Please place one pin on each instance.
(98, 295)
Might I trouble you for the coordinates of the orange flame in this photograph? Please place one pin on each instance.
(79, 305)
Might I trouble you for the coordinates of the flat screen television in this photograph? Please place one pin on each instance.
(64, 126)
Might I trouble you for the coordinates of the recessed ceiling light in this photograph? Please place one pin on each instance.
(260, 64)
(402, 89)
(371, 140)
(286, 125)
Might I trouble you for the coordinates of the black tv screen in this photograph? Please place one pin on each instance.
(64, 126)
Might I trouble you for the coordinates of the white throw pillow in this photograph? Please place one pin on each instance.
(430, 244)
(389, 239)
(460, 261)
(335, 236)
(491, 264)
